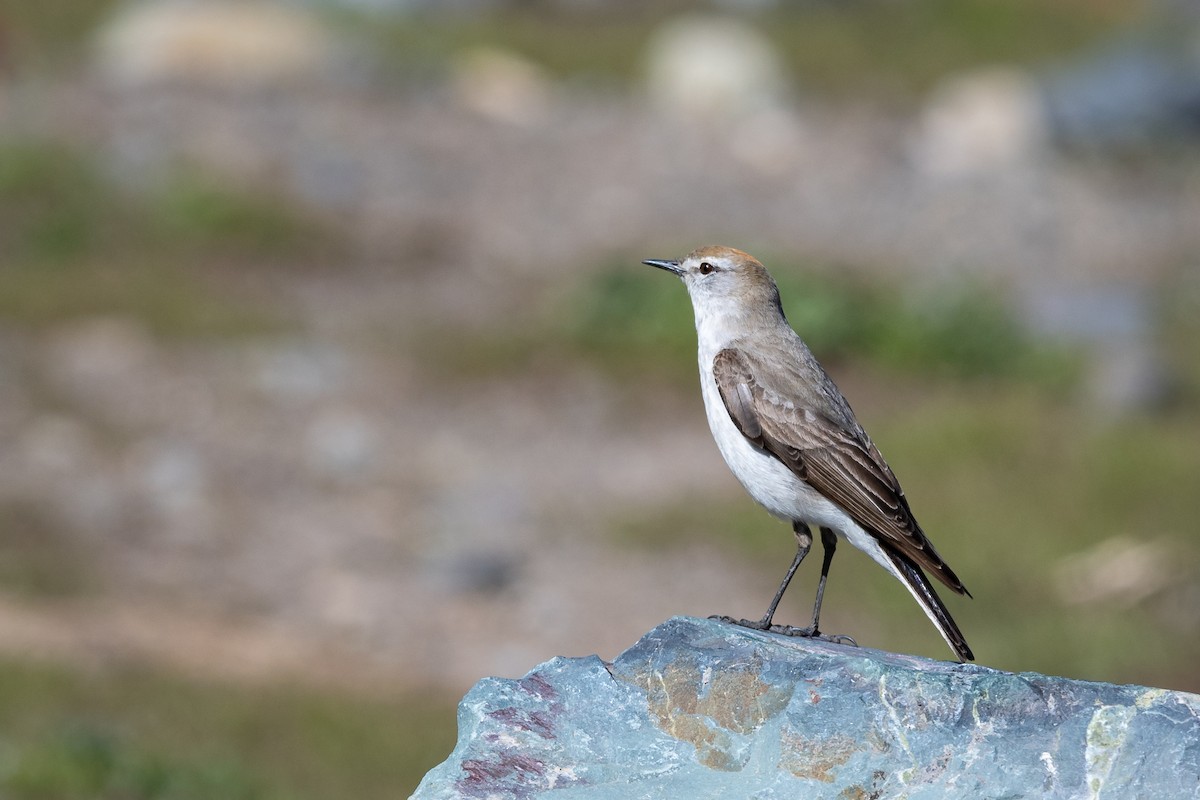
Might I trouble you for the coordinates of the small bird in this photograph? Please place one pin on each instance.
(790, 437)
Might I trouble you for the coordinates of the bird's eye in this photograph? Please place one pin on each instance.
(706, 268)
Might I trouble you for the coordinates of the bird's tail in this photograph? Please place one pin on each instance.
(923, 591)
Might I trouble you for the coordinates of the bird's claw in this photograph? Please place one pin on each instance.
(813, 633)
(787, 630)
(756, 624)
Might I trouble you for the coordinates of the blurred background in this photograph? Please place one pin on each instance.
(330, 381)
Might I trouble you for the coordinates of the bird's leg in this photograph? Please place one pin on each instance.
(828, 545)
(803, 543)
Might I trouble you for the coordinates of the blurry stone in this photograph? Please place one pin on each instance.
(1179, 607)
(346, 599)
(169, 492)
(54, 447)
(700, 708)
(713, 67)
(99, 349)
(478, 526)
(330, 179)
(483, 572)
(1119, 571)
(1129, 377)
(1132, 93)
(65, 468)
(341, 444)
(416, 177)
(770, 141)
(983, 121)
(93, 505)
(299, 372)
(15, 401)
(400, 7)
(1115, 324)
(502, 85)
(1108, 313)
(231, 45)
(171, 476)
(742, 6)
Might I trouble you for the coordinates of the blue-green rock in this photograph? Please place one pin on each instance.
(703, 709)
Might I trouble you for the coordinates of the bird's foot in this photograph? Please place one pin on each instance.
(756, 624)
(786, 630)
(813, 633)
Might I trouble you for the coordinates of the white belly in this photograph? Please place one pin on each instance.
(769, 482)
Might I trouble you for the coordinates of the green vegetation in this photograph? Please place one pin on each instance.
(117, 734)
(87, 763)
(198, 212)
(1179, 309)
(634, 324)
(170, 300)
(50, 200)
(58, 205)
(599, 47)
(628, 320)
(900, 49)
(631, 321)
(74, 244)
(50, 33)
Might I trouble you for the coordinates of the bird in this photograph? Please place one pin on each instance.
(790, 437)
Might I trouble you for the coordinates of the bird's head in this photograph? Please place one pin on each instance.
(725, 283)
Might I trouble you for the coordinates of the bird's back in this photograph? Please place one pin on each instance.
(796, 377)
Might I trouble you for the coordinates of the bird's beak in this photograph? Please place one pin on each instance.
(669, 266)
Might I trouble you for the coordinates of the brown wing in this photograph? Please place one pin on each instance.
(843, 465)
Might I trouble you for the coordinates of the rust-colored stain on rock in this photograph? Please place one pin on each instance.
(816, 759)
(710, 710)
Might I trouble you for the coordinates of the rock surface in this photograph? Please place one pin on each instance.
(701, 709)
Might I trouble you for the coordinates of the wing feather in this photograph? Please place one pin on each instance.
(842, 464)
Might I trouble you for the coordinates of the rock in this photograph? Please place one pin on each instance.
(342, 444)
(1138, 91)
(503, 86)
(984, 121)
(703, 709)
(1119, 570)
(1115, 323)
(232, 45)
(707, 67)
(297, 372)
